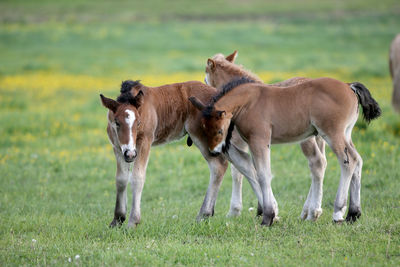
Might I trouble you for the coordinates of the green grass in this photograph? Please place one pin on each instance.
(56, 164)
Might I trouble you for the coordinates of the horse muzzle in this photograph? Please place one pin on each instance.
(130, 155)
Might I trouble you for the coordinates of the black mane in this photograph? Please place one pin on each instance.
(230, 85)
(228, 137)
(225, 89)
(127, 85)
(126, 97)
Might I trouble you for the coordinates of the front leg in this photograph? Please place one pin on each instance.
(121, 180)
(217, 166)
(243, 162)
(138, 179)
(314, 150)
(260, 150)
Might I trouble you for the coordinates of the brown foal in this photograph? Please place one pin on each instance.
(313, 148)
(265, 115)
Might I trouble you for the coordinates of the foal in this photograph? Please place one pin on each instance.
(219, 71)
(266, 115)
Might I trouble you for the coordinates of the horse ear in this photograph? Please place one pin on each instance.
(221, 114)
(109, 103)
(139, 99)
(197, 103)
(211, 63)
(231, 58)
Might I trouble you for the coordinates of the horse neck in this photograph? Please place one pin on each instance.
(235, 100)
(166, 99)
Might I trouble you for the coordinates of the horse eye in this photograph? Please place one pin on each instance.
(220, 131)
(117, 124)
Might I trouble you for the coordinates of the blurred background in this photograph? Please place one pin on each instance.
(56, 164)
(121, 38)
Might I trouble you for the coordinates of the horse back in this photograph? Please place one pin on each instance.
(173, 109)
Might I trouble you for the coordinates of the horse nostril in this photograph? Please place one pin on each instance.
(126, 154)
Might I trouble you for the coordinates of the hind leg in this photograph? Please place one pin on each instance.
(315, 153)
(355, 187)
(237, 178)
(236, 199)
(348, 160)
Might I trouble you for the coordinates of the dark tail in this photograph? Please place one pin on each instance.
(370, 107)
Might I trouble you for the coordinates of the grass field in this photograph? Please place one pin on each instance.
(57, 168)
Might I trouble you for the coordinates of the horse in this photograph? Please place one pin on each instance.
(394, 67)
(313, 148)
(144, 116)
(265, 115)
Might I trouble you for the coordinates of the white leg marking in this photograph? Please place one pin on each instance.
(236, 200)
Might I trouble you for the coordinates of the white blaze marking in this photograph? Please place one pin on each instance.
(129, 120)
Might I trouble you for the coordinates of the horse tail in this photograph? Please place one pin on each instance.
(370, 107)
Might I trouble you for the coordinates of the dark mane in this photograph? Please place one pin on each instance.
(126, 97)
(228, 137)
(230, 85)
(127, 85)
(225, 89)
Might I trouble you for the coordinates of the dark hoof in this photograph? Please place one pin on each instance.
(205, 216)
(118, 221)
(268, 219)
(353, 216)
(259, 210)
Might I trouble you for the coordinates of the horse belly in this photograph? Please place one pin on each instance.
(170, 133)
(290, 135)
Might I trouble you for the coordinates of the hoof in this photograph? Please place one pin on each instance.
(268, 219)
(133, 225)
(117, 221)
(353, 215)
(338, 215)
(313, 215)
(204, 216)
(235, 212)
(304, 214)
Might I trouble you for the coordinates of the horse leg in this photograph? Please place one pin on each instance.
(138, 179)
(236, 199)
(348, 160)
(355, 199)
(317, 164)
(260, 149)
(243, 162)
(237, 179)
(121, 181)
(217, 166)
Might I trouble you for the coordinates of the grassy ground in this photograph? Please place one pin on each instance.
(56, 164)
